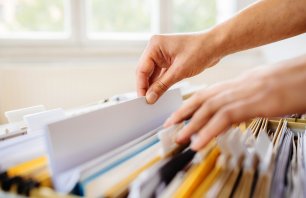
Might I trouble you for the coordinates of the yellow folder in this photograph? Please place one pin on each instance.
(197, 174)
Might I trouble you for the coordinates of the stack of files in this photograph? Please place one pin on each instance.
(122, 151)
(266, 160)
(115, 134)
(23, 137)
(29, 179)
(30, 145)
(112, 177)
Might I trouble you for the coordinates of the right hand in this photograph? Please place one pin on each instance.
(168, 59)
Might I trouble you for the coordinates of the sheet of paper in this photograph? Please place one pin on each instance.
(74, 141)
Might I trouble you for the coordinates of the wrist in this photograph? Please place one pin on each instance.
(216, 42)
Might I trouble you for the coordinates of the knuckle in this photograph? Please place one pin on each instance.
(178, 115)
(209, 106)
(192, 128)
(259, 85)
(270, 87)
(177, 77)
(179, 70)
(272, 103)
(227, 115)
(155, 39)
(161, 86)
(270, 97)
(197, 96)
(223, 98)
(137, 71)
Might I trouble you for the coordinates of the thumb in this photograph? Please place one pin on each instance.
(160, 86)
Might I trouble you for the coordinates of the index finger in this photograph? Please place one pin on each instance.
(144, 71)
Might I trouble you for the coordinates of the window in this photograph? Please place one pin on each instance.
(196, 15)
(137, 16)
(121, 16)
(82, 23)
(32, 18)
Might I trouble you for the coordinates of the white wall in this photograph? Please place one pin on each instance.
(281, 50)
(285, 49)
(74, 83)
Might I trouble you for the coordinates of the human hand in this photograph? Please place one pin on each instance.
(168, 59)
(263, 92)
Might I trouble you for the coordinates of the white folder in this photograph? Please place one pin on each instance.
(74, 141)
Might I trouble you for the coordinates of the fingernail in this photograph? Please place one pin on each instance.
(179, 139)
(167, 123)
(195, 143)
(180, 136)
(151, 97)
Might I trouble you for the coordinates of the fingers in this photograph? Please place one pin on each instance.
(157, 73)
(194, 103)
(232, 113)
(162, 84)
(214, 101)
(186, 111)
(153, 80)
(144, 71)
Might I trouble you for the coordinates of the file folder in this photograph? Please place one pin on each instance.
(77, 140)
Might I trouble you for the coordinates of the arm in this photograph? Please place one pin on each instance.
(170, 58)
(261, 23)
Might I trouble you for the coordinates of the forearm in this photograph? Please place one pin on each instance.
(263, 22)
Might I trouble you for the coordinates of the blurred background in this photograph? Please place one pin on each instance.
(66, 53)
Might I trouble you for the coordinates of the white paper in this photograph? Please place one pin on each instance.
(74, 141)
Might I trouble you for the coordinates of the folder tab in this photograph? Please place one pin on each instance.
(38, 121)
(17, 115)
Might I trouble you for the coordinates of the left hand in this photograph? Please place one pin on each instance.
(263, 92)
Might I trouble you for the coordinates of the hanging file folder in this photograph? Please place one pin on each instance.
(77, 140)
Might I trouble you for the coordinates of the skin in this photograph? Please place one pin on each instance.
(265, 91)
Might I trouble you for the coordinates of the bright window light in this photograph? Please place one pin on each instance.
(119, 16)
(195, 15)
(83, 22)
(32, 18)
